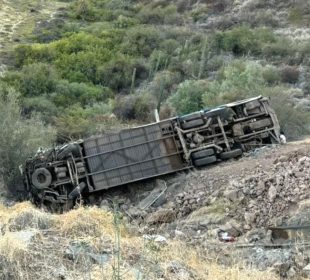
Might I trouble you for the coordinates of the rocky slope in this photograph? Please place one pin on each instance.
(211, 223)
(241, 200)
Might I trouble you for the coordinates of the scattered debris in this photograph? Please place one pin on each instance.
(156, 238)
(80, 251)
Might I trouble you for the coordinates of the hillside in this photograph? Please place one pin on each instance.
(93, 65)
(179, 236)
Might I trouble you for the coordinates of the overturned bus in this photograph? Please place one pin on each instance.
(78, 169)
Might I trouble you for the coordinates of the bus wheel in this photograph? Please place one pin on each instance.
(231, 154)
(205, 161)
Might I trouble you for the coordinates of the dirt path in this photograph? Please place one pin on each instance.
(17, 20)
(10, 19)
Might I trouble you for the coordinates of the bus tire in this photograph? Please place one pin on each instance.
(205, 161)
(202, 153)
(192, 124)
(231, 154)
(41, 178)
(191, 117)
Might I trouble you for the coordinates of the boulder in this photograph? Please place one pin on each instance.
(232, 228)
(232, 195)
(161, 216)
(249, 217)
(306, 271)
(272, 193)
(24, 236)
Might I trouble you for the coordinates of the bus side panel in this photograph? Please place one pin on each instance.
(132, 155)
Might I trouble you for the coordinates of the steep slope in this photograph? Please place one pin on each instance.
(180, 236)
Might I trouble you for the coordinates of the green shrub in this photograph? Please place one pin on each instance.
(82, 66)
(73, 123)
(235, 81)
(295, 16)
(169, 46)
(199, 12)
(239, 41)
(135, 106)
(77, 43)
(125, 22)
(188, 97)
(166, 14)
(243, 40)
(141, 41)
(117, 73)
(271, 75)
(84, 10)
(158, 60)
(293, 121)
(78, 122)
(42, 105)
(162, 85)
(37, 79)
(280, 48)
(25, 54)
(67, 94)
(19, 138)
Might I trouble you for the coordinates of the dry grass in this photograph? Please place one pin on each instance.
(86, 222)
(45, 257)
(196, 259)
(11, 247)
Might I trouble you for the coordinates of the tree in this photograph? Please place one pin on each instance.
(19, 138)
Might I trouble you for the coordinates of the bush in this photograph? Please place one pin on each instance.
(240, 40)
(243, 40)
(37, 79)
(163, 84)
(293, 121)
(78, 122)
(73, 123)
(124, 22)
(169, 46)
(117, 73)
(271, 75)
(141, 40)
(158, 60)
(199, 12)
(290, 74)
(42, 105)
(19, 138)
(67, 94)
(84, 9)
(82, 67)
(282, 47)
(216, 62)
(295, 16)
(135, 106)
(24, 54)
(188, 97)
(235, 81)
(159, 15)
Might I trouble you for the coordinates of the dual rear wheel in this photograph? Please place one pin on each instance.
(208, 156)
